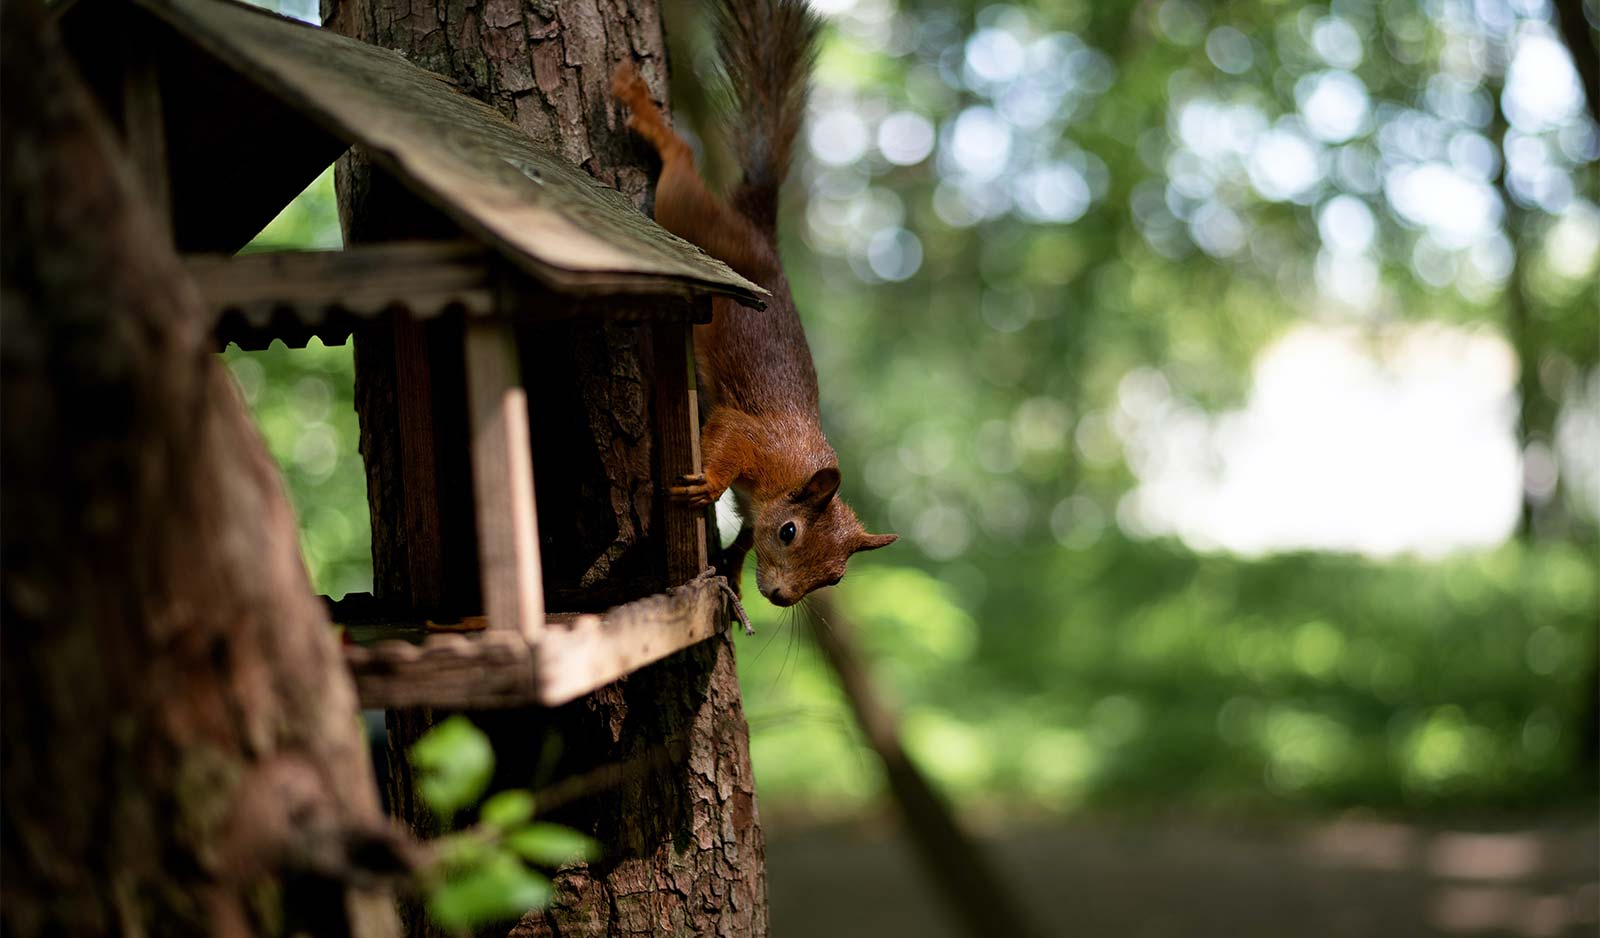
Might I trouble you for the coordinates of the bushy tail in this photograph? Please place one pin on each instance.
(767, 49)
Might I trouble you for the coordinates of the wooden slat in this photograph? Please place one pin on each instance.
(710, 537)
(576, 653)
(502, 473)
(143, 122)
(414, 417)
(546, 215)
(487, 669)
(677, 447)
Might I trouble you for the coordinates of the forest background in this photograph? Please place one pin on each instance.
(1232, 374)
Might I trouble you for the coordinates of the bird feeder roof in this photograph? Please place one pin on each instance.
(324, 91)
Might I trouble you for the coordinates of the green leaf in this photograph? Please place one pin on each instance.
(499, 890)
(552, 844)
(507, 809)
(457, 851)
(454, 761)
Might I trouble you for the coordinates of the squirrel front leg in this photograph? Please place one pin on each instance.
(727, 449)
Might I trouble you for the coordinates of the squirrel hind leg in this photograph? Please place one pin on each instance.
(684, 206)
(645, 118)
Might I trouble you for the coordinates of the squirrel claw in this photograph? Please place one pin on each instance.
(693, 490)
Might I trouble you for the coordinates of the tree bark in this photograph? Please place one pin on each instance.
(181, 755)
(671, 797)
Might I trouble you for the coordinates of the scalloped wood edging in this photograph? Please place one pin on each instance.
(295, 295)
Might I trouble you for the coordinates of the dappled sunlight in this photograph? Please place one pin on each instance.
(301, 399)
(1521, 883)
(1485, 856)
(1400, 442)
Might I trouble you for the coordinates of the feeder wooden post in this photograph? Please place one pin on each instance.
(502, 474)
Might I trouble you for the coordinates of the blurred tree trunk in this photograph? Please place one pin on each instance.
(1583, 44)
(684, 851)
(1536, 411)
(972, 890)
(181, 755)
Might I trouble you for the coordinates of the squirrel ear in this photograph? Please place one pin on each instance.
(875, 541)
(820, 488)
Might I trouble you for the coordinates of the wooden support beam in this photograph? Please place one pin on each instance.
(502, 476)
(459, 672)
(678, 447)
(417, 439)
(143, 121)
(576, 653)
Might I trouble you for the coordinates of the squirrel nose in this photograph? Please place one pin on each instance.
(778, 598)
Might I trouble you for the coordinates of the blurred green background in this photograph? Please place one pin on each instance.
(1231, 373)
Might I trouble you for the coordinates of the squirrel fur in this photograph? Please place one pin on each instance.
(763, 434)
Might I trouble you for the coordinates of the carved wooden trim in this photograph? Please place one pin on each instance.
(259, 297)
(294, 295)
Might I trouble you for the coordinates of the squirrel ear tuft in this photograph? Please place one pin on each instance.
(875, 541)
(820, 488)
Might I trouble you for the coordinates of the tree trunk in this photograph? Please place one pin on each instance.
(973, 890)
(181, 755)
(676, 814)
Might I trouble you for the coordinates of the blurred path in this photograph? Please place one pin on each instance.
(1170, 877)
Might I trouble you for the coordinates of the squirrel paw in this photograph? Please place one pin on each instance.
(628, 87)
(693, 490)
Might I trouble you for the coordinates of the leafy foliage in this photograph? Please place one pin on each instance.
(497, 888)
(551, 844)
(1139, 673)
(454, 762)
(484, 874)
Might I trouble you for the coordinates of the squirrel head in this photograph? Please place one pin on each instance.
(804, 539)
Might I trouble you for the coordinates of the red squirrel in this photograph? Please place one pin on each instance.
(763, 434)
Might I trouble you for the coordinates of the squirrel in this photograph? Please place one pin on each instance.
(763, 434)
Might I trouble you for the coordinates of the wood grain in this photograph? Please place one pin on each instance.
(502, 476)
(677, 449)
(489, 669)
(576, 653)
(143, 122)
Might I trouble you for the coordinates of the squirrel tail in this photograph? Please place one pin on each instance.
(767, 49)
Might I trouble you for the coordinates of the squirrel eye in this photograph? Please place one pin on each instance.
(786, 533)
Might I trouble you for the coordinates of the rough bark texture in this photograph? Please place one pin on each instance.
(181, 755)
(671, 796)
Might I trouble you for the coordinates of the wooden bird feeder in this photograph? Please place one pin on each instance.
(228, 113)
